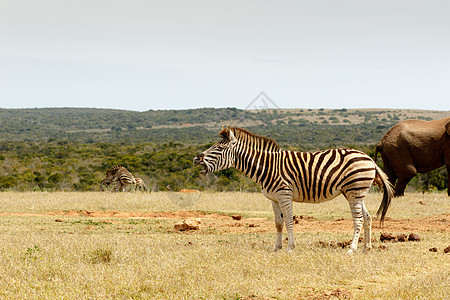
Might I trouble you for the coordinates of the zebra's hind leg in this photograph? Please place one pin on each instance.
(278, 225)
(120, 187)
(356, 206)
(367, 228)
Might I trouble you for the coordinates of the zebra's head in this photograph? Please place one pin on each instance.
(105, 182)
(219, 156)
(111, 173)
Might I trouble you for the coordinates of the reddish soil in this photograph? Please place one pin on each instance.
(226, 224)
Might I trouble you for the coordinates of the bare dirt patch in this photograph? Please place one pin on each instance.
(226, 224)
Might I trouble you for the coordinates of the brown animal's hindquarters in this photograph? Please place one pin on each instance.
(448, 179)
(447, 157)
(414, 146)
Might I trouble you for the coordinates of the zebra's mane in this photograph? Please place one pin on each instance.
(115, 169)
(264, 143)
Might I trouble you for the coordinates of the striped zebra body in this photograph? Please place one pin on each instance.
(104, 185)
(140, 185)
(121, 177)
(287, 176)
(320, 176)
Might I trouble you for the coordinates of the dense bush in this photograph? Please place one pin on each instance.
(71, 148)
(80, 167)
(70, 166)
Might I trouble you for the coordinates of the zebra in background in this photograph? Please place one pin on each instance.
(121, 177)
(104, 185)
(140, 185)
(287, 176)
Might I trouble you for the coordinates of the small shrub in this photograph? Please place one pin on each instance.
(100, 255)
(32, 253)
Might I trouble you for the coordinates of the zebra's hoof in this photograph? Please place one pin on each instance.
(366, 249)
(277, 248)
(350, 252)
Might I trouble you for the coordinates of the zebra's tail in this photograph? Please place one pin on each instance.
(388, 193)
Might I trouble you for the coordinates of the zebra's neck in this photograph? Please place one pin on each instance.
(258, 164)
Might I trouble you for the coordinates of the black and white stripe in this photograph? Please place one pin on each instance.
(286, 176)
(139, 185)
(121, 177)
(105, 185)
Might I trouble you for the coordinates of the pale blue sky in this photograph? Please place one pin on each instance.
(142, 55)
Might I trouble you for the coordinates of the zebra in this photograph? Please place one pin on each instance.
(139, 185)
(121, 177)
(104, 184)
(287, 176)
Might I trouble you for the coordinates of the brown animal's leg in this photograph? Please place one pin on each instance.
(448, 182)
(403, 180)
(392, 178)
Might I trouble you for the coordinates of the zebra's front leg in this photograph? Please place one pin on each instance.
(285, 204)
(278, 225)
(119, 187)
(357, 214)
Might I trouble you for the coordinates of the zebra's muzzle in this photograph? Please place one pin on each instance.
(198, 161)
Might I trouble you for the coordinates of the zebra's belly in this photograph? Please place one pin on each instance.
(310, 198)
(299, 197)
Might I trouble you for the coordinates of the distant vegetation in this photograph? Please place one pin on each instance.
(70, 148)
(299, 128)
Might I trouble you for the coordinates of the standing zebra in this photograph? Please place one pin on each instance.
(140, 185)
(287, 176)
(121, 176)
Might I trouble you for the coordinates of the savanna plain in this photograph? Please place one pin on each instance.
(93, 245)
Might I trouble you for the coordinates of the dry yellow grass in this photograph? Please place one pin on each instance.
(139, 258)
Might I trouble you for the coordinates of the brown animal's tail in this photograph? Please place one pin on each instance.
(388, 193)
(378, 149)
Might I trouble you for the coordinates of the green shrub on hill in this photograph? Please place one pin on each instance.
(71, 148)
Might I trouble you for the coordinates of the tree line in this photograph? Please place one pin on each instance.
(71, 148)
(68, 166)
(299, 128)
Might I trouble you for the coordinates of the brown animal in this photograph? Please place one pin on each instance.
(415, 146)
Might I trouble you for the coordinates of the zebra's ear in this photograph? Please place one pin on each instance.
(223, 133)
(231, 136)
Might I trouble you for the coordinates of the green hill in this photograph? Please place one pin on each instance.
(305, 129)
(70, 148)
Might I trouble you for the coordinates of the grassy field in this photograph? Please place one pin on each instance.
(123, 246)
